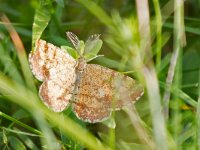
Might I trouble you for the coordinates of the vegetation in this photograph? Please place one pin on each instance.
(156, 42)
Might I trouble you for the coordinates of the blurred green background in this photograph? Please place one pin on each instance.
(150, 50)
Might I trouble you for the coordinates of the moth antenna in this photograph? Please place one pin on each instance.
(74, 39)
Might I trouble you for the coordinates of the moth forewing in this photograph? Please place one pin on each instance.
(125, 91)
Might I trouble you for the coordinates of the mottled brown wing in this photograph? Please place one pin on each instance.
(101, 90)
(56, 68)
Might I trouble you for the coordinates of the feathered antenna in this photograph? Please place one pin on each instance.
(74, 39)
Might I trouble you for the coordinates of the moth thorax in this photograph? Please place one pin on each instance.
(81, 64)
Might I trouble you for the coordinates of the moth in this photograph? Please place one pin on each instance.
(93, 91)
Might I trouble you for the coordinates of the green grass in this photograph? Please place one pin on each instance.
(156, 42)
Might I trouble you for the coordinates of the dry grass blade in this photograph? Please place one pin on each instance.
(137, 124)
(179, 42)
(144, 28)
(150, 78)
(159, 128)
(169, 79)
(132, 113)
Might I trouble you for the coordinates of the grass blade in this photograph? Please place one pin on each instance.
(20, 123)
(151, 80)
(179, 42)
(21, 53)
(10, 67)
(97, 11)
(41, 20)
(198, 116)
(141, 131)
(158, 32)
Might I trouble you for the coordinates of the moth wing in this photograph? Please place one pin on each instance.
(46, 58)
(90, 104)
(56, 68)
(97, 95)
(55, 94)
(125, 91)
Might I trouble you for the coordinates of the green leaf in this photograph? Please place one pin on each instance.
(97, 11)
(91, 57)
(81, 48)
(70, 51)
(16, 143)
(9, 65)
(28, 142)
(20, 114)
(41, 20)
(4, 137)
(130, 146)
(60, 2)
(68, 142)
(92, 46)
(110, 122)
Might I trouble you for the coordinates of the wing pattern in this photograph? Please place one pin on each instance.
(56, 69)
(100, 89)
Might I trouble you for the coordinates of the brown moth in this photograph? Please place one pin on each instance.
(92, 90)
